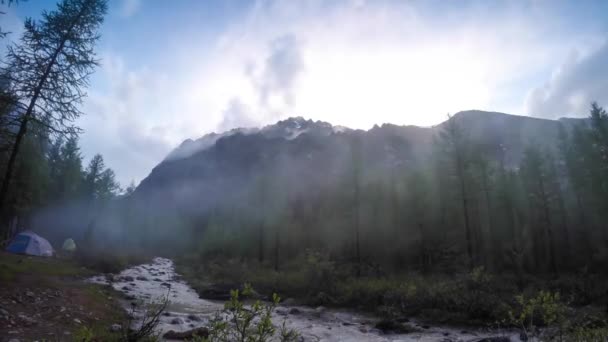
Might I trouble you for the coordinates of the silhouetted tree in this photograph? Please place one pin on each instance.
(49, 69)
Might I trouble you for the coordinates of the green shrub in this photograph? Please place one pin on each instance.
(543, 309)
(247, 324)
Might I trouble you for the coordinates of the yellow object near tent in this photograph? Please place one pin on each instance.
(69, 245)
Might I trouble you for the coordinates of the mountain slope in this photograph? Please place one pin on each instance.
(311, 155)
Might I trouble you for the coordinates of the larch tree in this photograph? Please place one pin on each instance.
(454, 141)
(356, 164)
(49, 69)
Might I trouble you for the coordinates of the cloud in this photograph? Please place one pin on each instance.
(578, 82)
(353, 63)
(236, 115)
(129, 7)
(281, 71)
(125, 120)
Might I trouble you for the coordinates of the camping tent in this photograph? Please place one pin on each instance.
(31, 244)
(69, 245)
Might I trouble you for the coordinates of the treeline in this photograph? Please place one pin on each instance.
(50, 172)
(462, 208)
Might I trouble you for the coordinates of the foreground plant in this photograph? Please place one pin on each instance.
(241, 323)
(544, 309)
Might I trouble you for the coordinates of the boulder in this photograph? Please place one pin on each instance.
(294, 311)
(390, 326)
(194, 318)
(186, 335)
(115, 327)
(177, 321)
(216, 292)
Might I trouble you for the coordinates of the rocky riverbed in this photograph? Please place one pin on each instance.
(186, 311)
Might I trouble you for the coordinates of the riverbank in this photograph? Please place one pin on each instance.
(185, 311)
(571, 305)
(47, 299)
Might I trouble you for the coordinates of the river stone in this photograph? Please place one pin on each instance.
(127, 279)
(186, 335)
(177, 320)
(216, 292)
(141, 278)
(194, 318)
(389, 326)
(494, 339)
(288, 302)
(294, 311)
(115, 327)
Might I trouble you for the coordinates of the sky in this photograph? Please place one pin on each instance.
(173, 70)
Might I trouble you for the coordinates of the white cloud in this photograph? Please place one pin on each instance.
(236, 115)
(352, 63)
(127, 121)
(581, 80)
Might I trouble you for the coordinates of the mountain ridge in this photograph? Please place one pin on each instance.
(292, 127)
(321, 150)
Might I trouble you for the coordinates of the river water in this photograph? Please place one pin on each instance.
(185, 311)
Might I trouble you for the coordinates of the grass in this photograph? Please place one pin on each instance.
(109, 261)
(12, 265)
(93, 304)
(475, 298)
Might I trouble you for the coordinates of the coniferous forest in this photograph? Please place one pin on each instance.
(486, 220)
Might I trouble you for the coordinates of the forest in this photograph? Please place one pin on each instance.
(451, 228)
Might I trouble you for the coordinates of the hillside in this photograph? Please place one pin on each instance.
(318, 151)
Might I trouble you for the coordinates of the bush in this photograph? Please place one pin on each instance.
(543, 309)
(253, 324)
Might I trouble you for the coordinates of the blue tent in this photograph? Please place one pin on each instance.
(31, 244)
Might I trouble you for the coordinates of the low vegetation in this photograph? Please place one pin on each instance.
(555, 306)
(241, 322)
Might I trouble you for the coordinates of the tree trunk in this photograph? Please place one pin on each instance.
(276, 250)
(465, 209)
(357, 240)
(549, 230)
(261, 243)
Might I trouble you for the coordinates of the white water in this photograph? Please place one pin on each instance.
(187, 311)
